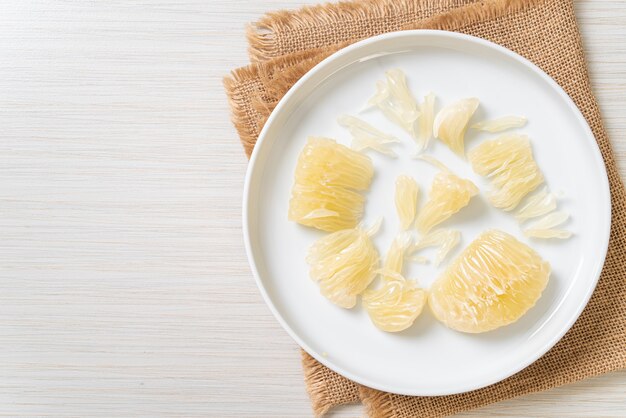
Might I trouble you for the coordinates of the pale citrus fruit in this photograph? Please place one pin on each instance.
(394, 99)
(495, 281)
(365, 136)
(508, 162)
(536, 205)
(448, 194)
(501, 124)
(396, 304)
(406, 200)
(445, 239)
(394, 260)
(344, 263)
(546, 227)
(328, 178)
(451, 123)
(426, 119)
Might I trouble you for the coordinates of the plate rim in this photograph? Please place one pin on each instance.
(597, 155)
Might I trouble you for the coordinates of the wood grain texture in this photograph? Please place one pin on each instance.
(124, 287)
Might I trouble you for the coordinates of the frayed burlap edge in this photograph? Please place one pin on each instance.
(461, 17)
(262, 35)
(377, 404)
(315, 384)
(316, 378)
(249, 121)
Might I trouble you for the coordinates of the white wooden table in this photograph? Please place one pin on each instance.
(124, 288)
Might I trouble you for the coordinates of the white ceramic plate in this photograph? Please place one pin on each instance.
(427, 359)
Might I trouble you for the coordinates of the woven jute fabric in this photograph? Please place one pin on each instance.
(285, 45)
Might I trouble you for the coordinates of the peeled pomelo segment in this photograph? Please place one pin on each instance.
(494, 281)
(325, 208)
(451, 123)
(394, 260)
(396, 80)
(321, 213)
(328, 245)
(394, 99)
(508, 162)
(500, 124)
(445, 239)
(359, 127)
(425, 122)
(545, 227)
(433, 161)
(327, 180)
(419, 259)
(343, 263)
(536, 205)
(324, 161)
(396, 304)
(407, 191)
(364, 143)
(548, 233)
(374, 227)
(365, 136)
(448, 195)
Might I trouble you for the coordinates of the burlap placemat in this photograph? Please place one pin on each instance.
(285, 45)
